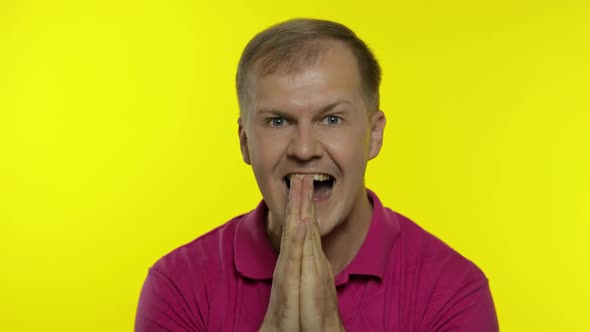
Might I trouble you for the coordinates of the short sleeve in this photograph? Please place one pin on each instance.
(470, 309)
(162, 307)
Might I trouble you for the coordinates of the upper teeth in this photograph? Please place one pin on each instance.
(316, 177)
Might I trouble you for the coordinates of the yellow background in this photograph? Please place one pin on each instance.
(118, 143)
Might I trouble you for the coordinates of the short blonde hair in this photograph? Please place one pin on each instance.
(291, 46)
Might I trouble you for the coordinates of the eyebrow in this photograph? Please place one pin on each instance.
(323, 110)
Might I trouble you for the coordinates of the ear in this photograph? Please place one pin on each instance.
(376, 135)
(243, 142)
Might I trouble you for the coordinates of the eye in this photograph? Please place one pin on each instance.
(277, 122)
(332, 120)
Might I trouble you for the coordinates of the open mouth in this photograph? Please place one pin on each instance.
(322, 184)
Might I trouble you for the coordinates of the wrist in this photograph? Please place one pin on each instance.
(335, 325)
(266, 327)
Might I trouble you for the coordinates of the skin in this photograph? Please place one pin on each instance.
(308, 122)
(303, 296)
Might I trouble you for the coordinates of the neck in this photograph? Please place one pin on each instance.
(343, 243)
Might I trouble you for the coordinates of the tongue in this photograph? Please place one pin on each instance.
(321, 189)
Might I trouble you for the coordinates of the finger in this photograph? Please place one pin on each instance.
(292, 215)
(284, 246)
(290, 223)
(285, 291)
(311, 282)
(308, 215)
(294, 256)
(307, 198)
(309, 267)
(320, 259)
(308, 261)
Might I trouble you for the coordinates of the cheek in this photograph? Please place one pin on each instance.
(266, 151)
(349, 151)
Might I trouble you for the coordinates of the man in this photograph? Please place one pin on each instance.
(320, 252)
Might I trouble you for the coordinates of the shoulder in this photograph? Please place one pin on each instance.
(426, 251)
(449, 290)
(180, 287)
(210, 251)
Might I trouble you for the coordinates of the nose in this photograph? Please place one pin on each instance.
(304, 144)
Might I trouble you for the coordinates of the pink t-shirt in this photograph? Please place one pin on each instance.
(402, 279)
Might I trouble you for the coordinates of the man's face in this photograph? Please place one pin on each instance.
(313, 121)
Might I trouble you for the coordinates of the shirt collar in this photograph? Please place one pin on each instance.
(255, 258)
(253, 253)
(372, 257)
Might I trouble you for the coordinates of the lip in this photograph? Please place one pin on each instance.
(309, 173)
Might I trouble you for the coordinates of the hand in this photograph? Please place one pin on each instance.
(318, 300)
(303, 296)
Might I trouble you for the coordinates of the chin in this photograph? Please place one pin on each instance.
(328, 224)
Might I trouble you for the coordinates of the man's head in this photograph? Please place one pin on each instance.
(308, 106)
(292, 45)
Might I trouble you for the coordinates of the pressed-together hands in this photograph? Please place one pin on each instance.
(303, 296)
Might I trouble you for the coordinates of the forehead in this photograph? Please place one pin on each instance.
(333, 75)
